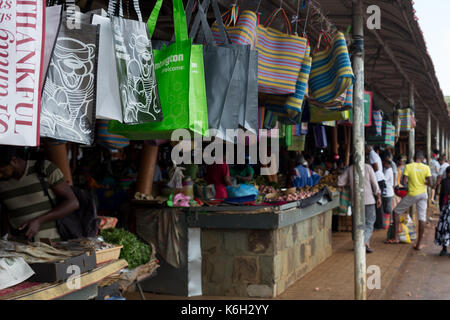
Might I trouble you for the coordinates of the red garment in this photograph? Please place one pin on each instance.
(215, 174)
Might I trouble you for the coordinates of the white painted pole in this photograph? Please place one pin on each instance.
(358, 153)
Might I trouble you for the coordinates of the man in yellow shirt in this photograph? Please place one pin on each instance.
(418, 176)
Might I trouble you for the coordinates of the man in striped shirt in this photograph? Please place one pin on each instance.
(28, 208)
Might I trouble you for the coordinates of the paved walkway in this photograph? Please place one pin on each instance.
(425, 275)
(333, 279)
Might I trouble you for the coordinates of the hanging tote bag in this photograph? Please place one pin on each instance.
(378, 122)
(230, 74)
(405, 119)
(319, 115)
(180, 74)
(68, 98)
(21, 64)
(331, 71)
(280, 57)
(290, 106)
(138, 87)
(53, 16)
(108, 99)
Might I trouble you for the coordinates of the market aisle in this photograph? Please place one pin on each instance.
(333, 279)
(424, 275)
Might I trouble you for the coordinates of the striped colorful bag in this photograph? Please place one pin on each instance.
(109, 140)
(378, 121)
(280, 55)
(405, 119)
(289, 107)
(331, 70)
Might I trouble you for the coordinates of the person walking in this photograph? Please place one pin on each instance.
(442, 234)
(388, 194)
(371, 190)
(435, 168)
(417, 176)
(375, 161)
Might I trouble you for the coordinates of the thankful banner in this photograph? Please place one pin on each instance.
(21, 53)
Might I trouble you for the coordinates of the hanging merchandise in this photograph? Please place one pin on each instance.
(320, 137)
(231, 77)
(290, 106)
(331, 71)
(319, 115)
(270, 120)
(280, 54)
(181, 84)
(68, 98)
(405, 119)
(21, 61)
(280, 57)
(135, 69)
(387, 137)
(304, 128)
(368, 106)
(298, 143)
(108, 98)
(341, 103)
(52, 22)
(107, 139)
(378, 122)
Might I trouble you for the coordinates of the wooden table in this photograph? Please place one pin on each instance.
(60, 290)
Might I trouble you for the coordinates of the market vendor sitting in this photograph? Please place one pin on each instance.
(302, 176)
(243, 173)
(29, 210)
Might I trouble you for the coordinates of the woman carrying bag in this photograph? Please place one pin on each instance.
(442, 235)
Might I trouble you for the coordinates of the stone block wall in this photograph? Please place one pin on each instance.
(263, 263)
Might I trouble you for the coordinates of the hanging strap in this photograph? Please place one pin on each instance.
(285, 19)
(201, 18)
(112, 7)
(179, 18)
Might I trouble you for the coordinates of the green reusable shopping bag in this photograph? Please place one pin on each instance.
(319, 115)
(181, 84)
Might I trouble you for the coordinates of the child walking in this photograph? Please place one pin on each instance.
(442, 235)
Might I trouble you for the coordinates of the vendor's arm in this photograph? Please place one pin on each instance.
(67, 202)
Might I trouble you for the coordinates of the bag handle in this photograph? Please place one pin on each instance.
(285, 18)
(179, 18)
(112, 7)
(201, 18)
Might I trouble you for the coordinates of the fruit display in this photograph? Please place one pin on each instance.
(295, 196)
(266, 189)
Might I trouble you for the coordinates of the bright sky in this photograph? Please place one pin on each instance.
(434, 20)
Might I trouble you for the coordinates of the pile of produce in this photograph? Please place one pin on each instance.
(266, 189)
(295, 196)
(330, 180)
(134, 251)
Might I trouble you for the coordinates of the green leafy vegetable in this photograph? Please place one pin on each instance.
(134, 251)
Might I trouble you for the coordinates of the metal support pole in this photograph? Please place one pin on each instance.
(443, 141)
(412, 133)
(358, 209)
(429, 137)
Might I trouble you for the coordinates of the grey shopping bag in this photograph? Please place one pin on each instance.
(68, 98)
(231, 73)
(138, 87)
